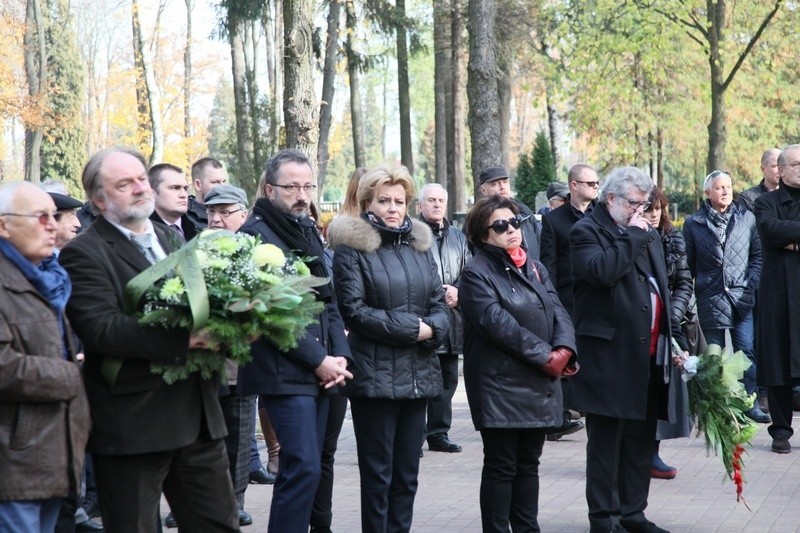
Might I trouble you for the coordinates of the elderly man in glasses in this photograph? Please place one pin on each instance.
(623, 330)
(226, 207)
(43, 403)
(723, 250)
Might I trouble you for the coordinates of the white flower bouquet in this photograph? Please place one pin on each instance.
(233, 287)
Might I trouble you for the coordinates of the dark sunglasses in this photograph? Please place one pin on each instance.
(501, 224)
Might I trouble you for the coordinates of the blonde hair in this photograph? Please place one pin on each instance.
(382, 175)
(350, 205)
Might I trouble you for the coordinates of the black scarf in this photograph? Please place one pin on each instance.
(300, 234)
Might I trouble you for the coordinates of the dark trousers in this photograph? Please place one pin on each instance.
(322, 510)
(440, 409)
(389, 434)
(195, 480)
(240, 419)
(299, 423)
(780, 409)
(510, 479)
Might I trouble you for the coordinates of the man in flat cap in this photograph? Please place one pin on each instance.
(494, 180)
(66, 218)
(226, 207)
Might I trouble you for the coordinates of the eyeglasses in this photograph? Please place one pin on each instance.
(44, 218)
(293, 188)
(224, 213)
(592, 184)
(636, 205)
(501, 224)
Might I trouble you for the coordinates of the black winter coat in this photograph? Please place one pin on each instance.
(613, 315)
(778, 317)
(512, 322)
(292, 372)
(386, 282)
(726, 276)
(451, 253)
(678, 274)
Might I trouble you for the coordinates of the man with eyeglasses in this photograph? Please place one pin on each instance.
(770, 181)
(292, 383)
(44, 408)
(226, 207)
(494, 180)
(623, 329)
(555, 255)
(148, 436)
(207, 173)
(172, 199)
(723, 250)
(778, 220)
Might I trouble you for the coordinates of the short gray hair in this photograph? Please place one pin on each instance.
(92, 184)
(782, 155)
(712, 177)
(287, 155)
(422, 191)
(621, 179)
(8, 192)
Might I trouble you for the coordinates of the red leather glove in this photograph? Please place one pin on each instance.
(571, 369)
(558, 360)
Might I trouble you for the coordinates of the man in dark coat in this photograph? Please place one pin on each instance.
(583, 186)
(778, 221)
(451, 253)
(147, 436)
(770, 182)
(207, 173)
(171, 194)
(289, 381)
(494, 180)
(622, 326)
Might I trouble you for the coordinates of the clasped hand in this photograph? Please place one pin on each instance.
(333, 371)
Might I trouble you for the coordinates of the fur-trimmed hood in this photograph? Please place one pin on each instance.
(360, 235)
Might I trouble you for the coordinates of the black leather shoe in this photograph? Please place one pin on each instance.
(170, 521)
(567, 428)
(88, 525)
(262, 477)
(641, 526)
(443, 444)
(244, 518)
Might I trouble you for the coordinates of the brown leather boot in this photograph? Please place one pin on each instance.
(273, 446)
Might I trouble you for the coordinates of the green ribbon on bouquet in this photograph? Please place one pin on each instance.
(187, 267)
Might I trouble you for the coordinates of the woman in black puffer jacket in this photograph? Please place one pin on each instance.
(681, 299)
(518, 342)
(391, 299)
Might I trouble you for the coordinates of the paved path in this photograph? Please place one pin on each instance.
(700, 499)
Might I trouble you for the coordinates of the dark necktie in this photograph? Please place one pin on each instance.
(145, 244)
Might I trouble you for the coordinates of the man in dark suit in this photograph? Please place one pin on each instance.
(622, 326)
(147, 435)
(292, 383)
(172, 199)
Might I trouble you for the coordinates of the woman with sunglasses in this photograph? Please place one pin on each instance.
(518, 342)
(681, 289)
(391, 299)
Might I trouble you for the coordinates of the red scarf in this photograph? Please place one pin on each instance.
(518, 256)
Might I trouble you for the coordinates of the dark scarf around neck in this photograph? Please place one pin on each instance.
(300, 234)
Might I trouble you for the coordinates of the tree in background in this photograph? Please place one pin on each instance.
(535, 171)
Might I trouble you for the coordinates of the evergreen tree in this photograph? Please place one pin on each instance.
(535, 171)
(64, 144)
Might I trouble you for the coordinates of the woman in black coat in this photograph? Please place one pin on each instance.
(681, 288)
(391, 299)
(518, 342)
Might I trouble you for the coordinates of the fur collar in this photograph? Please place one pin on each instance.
(359, 234)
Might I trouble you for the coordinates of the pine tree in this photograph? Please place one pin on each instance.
(535, 171)
(64, 143)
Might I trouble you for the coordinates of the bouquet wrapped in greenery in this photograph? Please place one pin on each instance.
(718, 404)
(233, 287)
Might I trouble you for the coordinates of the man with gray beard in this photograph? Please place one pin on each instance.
(147, 435)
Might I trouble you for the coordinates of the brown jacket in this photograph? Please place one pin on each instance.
(44, 413)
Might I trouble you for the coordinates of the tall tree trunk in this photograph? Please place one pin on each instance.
(404, 100)
(442, 88)
(142, 104)
(300, 106)
(187, 78)
(36, 72)
(504, 91)
(482, 90)
(717, 132)
(151, 91)
(552, 126)
(356, 111)
(239, 71)
(456, 159)
(251, 75)
(328, 87)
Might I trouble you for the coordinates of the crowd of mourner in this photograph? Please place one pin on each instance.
(87, 430)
